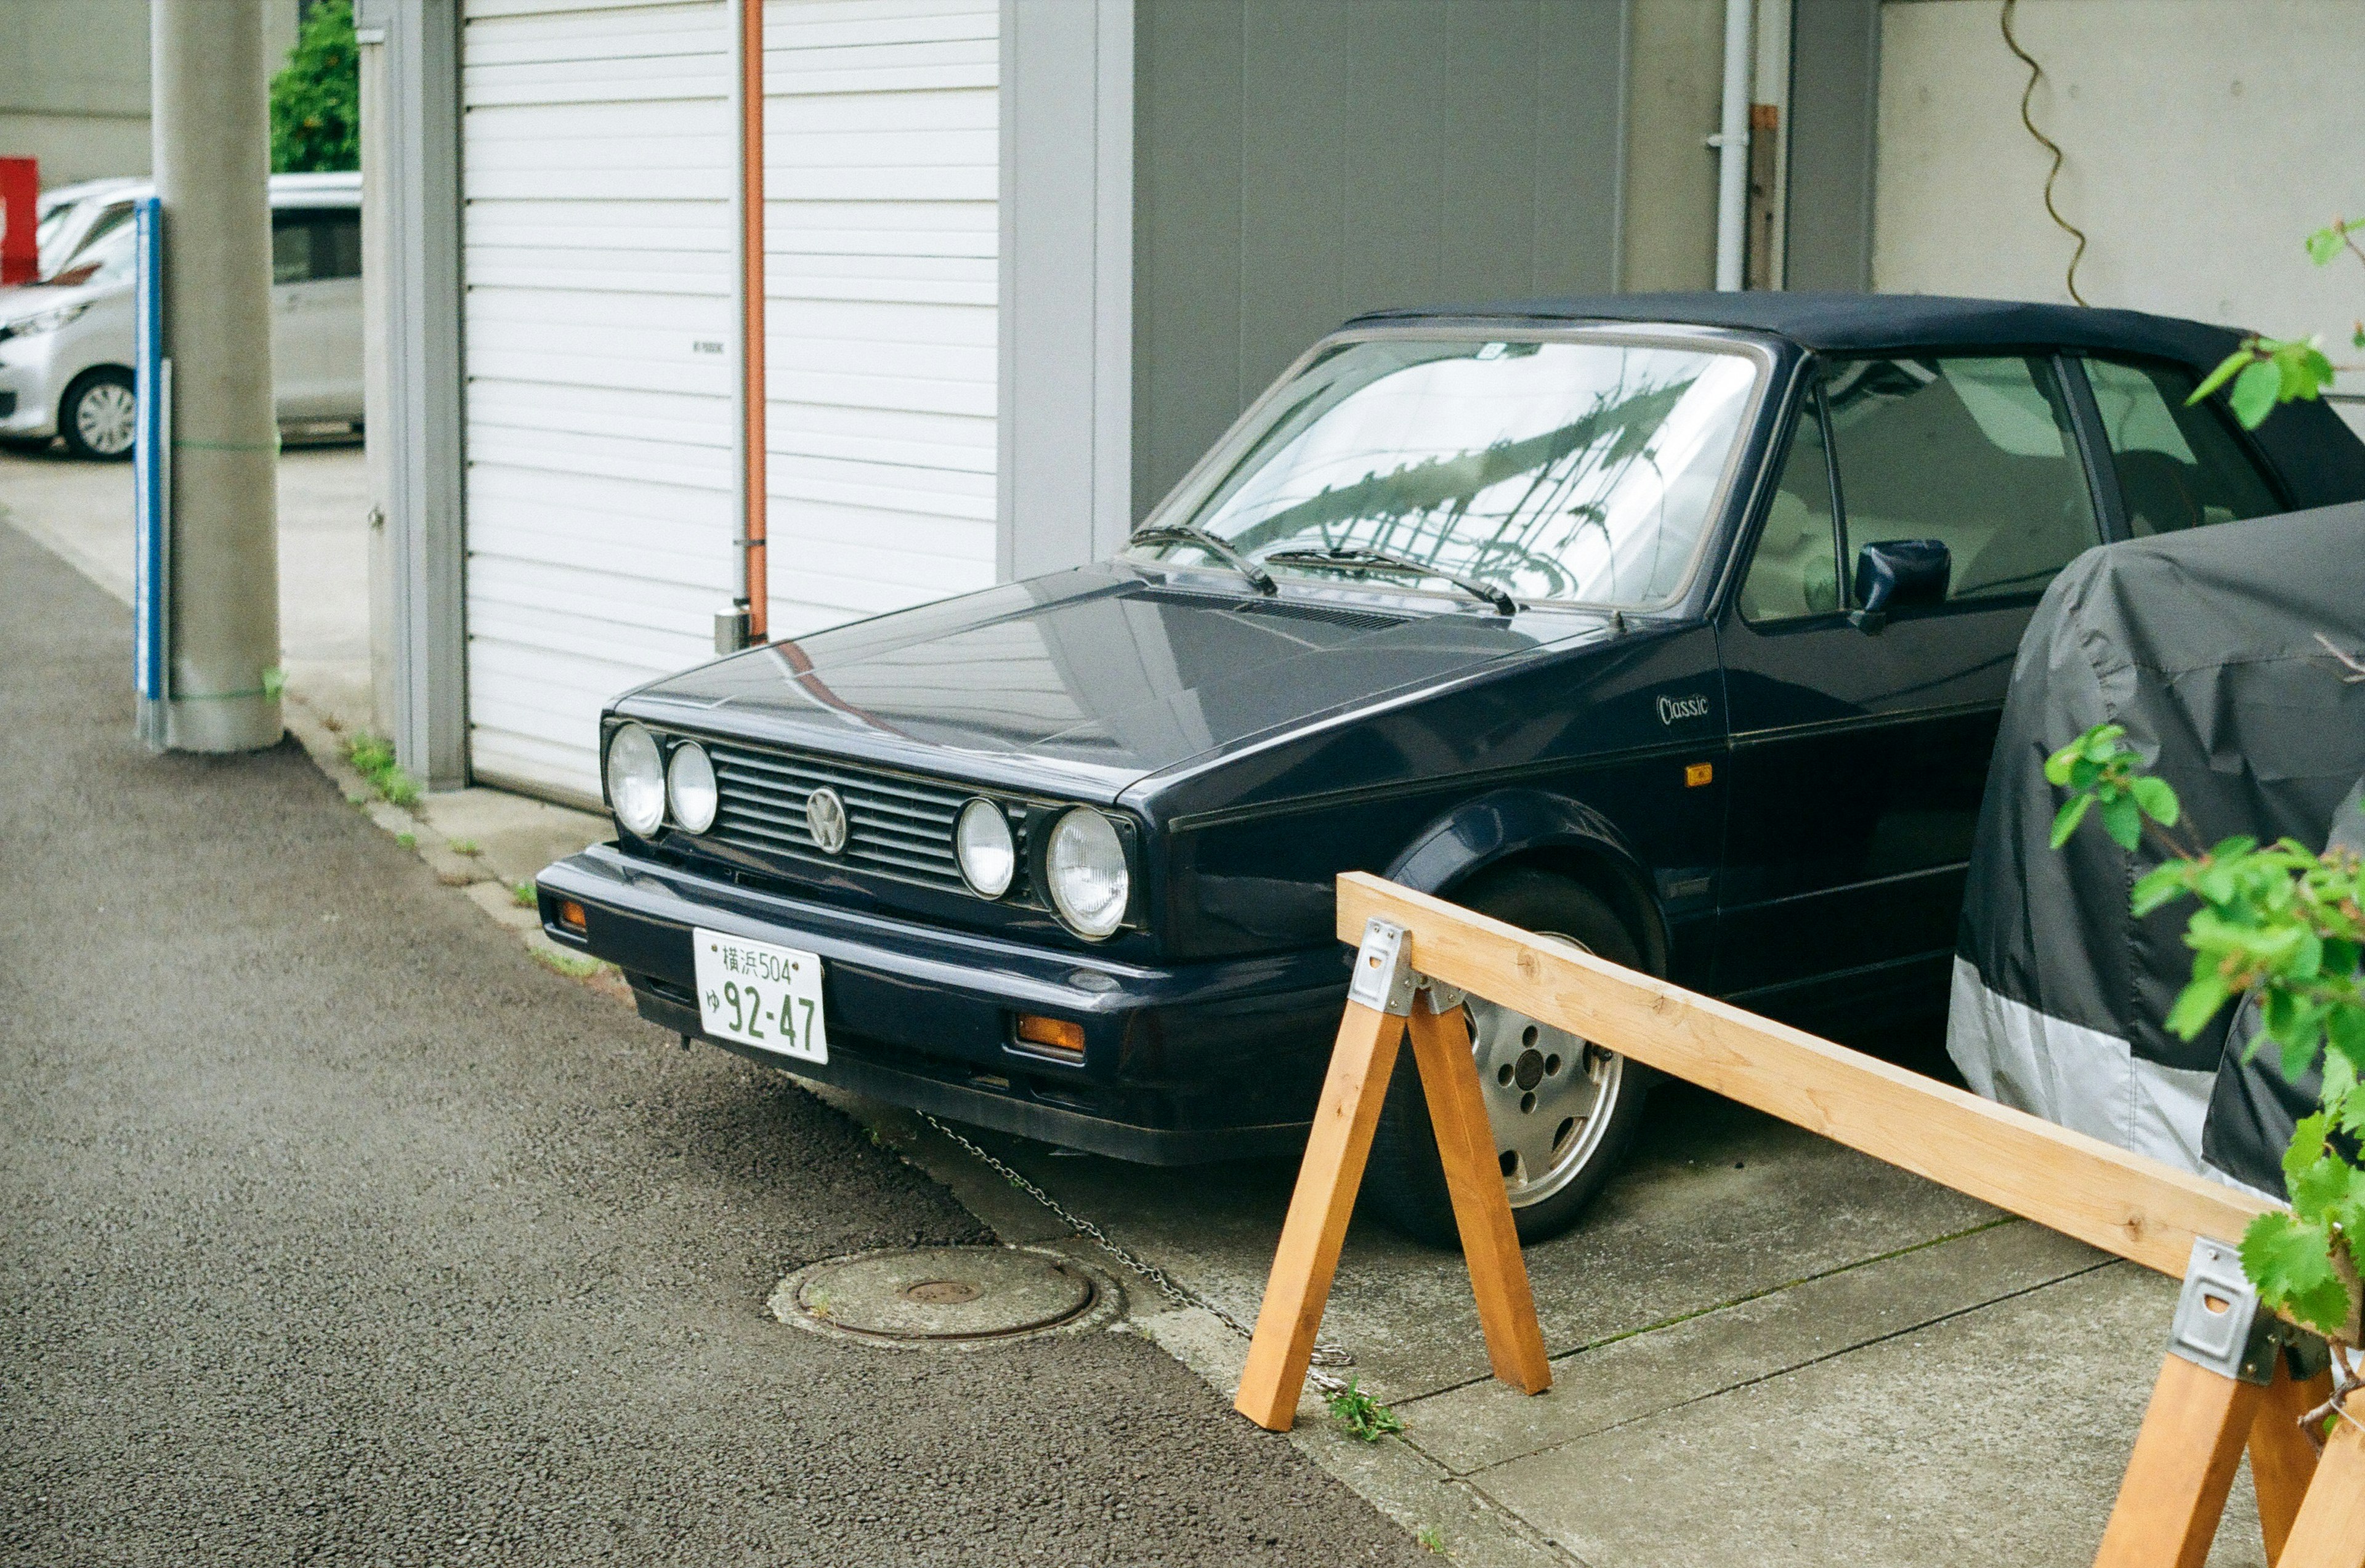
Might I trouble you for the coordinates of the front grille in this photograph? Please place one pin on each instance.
(897, 825)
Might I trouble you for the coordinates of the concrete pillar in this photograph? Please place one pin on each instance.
(212, 153)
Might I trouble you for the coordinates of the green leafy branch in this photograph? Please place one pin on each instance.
(2269, 371)
(2287, 925)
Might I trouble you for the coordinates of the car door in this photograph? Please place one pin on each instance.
(1859, 751)
(315, 339)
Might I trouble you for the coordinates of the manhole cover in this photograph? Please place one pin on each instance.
(946, 1296)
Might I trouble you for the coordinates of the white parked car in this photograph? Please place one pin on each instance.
(66, 339)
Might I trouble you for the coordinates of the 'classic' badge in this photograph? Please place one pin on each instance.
(825, 820)
(1673, 708)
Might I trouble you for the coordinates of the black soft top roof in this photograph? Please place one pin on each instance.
(2321, 460)
(1858, 323)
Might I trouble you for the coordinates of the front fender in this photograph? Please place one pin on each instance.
(1535, 826)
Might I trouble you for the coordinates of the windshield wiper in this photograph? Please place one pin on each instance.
(1183, 533)
(1475, 586)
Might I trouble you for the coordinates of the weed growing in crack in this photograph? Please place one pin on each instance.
(1360, 1415)
(372, 759)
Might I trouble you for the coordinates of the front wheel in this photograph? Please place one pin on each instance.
(98, 416)
(1563, 1110)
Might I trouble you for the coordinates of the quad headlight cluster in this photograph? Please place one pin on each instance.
(1084, 870)
(644, 784)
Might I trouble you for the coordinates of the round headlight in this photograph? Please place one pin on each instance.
(636, 788)
(981, 843)
(689, 785)
(1087, 872)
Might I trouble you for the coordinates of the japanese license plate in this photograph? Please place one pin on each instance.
(760, 995)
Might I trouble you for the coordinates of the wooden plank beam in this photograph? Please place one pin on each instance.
(2102, 1195)
(1490, 1236)
(2330, 1529)
(2182, 1469)
(2283, 1457)
(1308, 1258)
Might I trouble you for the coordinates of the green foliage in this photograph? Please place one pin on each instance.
(1360, 1415)
(466, 846)
(522, 895)
(2100, 771)
(2287, 925)
(2267, 373)
(315, 98)
(573, 966)
(372, 759)
(1429, 1538)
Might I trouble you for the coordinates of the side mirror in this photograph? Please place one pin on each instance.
(1898, 574)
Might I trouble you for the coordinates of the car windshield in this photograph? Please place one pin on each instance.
(1583, 470)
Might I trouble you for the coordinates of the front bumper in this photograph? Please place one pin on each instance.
(1182, 1063)
(29, 392)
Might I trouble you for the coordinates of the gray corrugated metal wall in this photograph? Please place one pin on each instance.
(1298, 160)
(1834, 101)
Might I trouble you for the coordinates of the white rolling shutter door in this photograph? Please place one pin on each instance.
(597, 166)
(882, 162)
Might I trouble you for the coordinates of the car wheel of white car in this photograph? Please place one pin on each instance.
(99, 415)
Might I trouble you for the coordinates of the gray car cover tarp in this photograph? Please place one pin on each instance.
(2204, 645)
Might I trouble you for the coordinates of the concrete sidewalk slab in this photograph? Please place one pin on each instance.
(1994, 1437)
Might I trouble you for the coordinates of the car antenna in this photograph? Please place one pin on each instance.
(1617, 622)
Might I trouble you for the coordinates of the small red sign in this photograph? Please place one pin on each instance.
(20, 217)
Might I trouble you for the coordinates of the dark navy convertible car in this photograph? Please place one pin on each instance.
(1676, 627)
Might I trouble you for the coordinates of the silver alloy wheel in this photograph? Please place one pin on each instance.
(105, 417)
(1549, 1095)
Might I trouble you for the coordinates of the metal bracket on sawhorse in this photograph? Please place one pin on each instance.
(2233, 1375)
(1386, 998)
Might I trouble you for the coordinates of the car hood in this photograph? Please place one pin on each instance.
(1100, 674)
(19, 301)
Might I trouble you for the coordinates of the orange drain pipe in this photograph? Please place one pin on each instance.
(751, 288)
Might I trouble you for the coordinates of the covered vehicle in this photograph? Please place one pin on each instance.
(1676, 627)
(2210, 647)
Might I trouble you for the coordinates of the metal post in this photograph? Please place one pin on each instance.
(211, 151)
(1732, 144)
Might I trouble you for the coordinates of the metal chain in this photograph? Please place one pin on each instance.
(1180, 1294)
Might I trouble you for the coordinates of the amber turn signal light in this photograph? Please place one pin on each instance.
(570, 915)
(1699, 773)
(1064, 1034)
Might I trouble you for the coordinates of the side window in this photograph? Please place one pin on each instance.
(1795, 571)
(337, 243)
(291, 247)
(314, 246)
(1975, 452)
(2178, 466)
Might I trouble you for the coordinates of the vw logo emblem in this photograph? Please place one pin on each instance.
(825, 819)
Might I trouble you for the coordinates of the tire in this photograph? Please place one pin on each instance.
(96, 416)
(1533, 1109)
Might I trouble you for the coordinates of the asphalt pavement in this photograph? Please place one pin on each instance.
(333, 1229)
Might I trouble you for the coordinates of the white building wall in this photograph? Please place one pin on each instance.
(2204, 140)
(882, 171)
